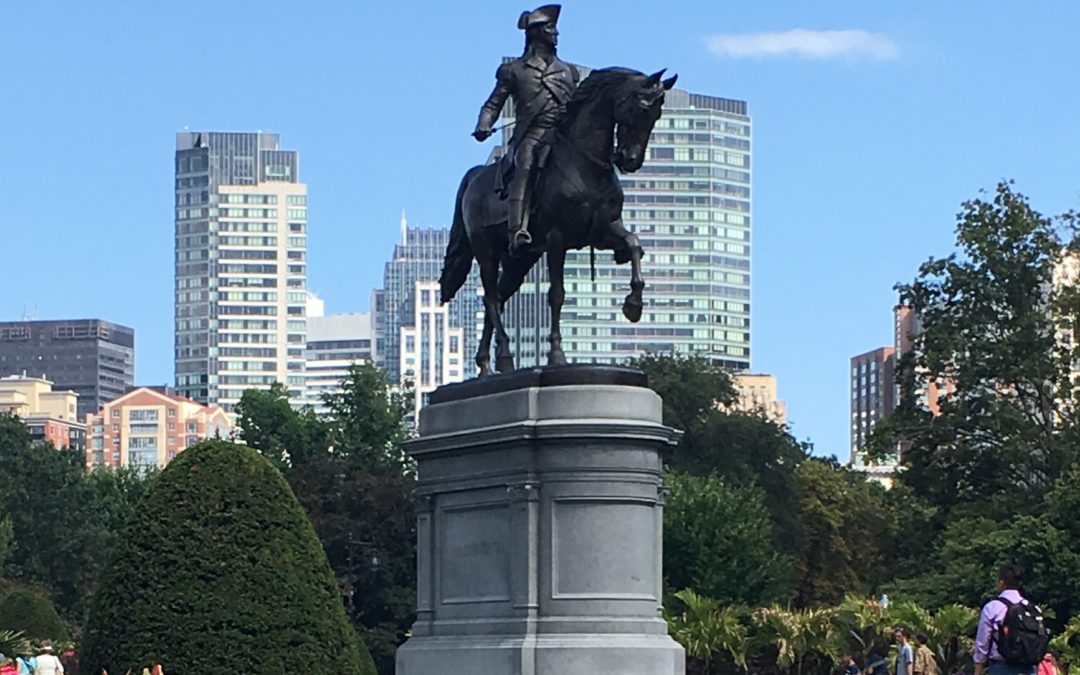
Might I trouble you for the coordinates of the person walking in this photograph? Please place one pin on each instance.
(925, 662)
(1011, 639)
(876, 664)
(905, 658)
(850, 667)
(47, 663)
(25, 664)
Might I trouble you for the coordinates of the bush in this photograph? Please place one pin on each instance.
(219, 572)
(33, 615)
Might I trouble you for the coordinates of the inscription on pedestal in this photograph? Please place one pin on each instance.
(475, 559)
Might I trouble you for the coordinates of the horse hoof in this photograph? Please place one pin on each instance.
(631, 309)
(486, 371)
(504, 364)
(556, 358)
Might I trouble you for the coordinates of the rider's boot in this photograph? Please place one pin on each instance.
(519, 232)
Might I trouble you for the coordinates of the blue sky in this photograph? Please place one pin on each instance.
(872, 122)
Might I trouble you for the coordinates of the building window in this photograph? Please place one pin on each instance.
(116, 413)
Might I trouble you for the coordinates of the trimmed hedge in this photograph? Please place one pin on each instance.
(33, 615)
(220, 572)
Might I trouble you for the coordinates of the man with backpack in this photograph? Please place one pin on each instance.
(1012, 639)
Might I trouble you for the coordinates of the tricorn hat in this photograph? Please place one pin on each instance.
(545, 14)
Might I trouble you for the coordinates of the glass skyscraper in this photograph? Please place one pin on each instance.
(419, 259)
(690, 206)
(241, 266)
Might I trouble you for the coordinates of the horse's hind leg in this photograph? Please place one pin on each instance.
(483, 352)
(556, 295)
(489, 276)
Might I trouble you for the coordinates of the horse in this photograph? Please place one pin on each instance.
(576, 202)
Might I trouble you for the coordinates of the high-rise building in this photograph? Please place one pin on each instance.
(419, 258)
(431, 349)
(50, 414)
(149, 426)
(93, 358)
(334, 343)
(241, 266)
(873, 395)
(758, 395)
(690, 206)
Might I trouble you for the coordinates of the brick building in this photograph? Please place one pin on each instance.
(149, 427)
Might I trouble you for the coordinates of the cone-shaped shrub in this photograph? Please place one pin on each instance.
(33, 615)
(220, 572)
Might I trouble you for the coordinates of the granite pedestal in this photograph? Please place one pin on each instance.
(539, 523)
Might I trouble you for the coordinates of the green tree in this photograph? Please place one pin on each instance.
(749, 450)
(353, 481)
(844, 524)
(718, 541)
(998, 330)
(692, 388)
(743, 449)
(369, 420)
(32, 614)
(63, 521)
(367, 526)
(268, 423)
(219, 571)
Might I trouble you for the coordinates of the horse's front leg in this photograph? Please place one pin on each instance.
(556, 258)
(634, 303)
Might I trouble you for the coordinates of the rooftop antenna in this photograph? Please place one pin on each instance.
(404, 226)
(29, 315)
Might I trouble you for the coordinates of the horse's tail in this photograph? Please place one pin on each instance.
(459, 253)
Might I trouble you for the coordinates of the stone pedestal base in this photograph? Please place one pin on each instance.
(539, 522)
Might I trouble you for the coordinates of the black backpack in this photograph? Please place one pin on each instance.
(1022, 638)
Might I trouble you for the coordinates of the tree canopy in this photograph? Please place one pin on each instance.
(220, 571)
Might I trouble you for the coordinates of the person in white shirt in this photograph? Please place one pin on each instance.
(47, 663)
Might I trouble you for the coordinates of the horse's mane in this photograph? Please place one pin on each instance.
(598, 82)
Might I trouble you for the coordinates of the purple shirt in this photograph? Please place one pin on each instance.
(993, 614)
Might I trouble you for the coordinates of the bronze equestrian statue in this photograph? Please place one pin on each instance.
(575, 201)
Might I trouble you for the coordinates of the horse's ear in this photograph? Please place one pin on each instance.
(670, 82)
(654, 79)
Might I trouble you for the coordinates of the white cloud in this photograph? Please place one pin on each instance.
(807, 44)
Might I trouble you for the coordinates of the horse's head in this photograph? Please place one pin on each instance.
(637, 107)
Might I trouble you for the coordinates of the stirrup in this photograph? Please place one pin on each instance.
(521, 238)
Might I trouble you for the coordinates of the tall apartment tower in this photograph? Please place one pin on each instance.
(690, 206)
(93, 358)
(241, 266)
(873, 398)
(419, 259)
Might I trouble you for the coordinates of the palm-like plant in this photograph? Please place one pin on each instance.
(797, 634)
(13, 642)
(1067, 645)
(705, 629)
(864, 624)
(951, 634)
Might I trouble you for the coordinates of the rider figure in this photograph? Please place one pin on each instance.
(541, 85)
